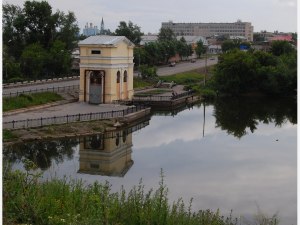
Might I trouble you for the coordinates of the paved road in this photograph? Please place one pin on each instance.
(161, 71)
(186, 66)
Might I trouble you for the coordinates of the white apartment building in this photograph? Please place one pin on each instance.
(239, 28)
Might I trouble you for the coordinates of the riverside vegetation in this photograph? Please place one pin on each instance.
(27, 100)
(28, 201)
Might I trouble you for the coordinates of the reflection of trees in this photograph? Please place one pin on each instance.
(41, 152)
(237, 114)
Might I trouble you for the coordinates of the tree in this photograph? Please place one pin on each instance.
(59, 59)
(229, 45)
(35, 25)
(200, 49)
(166, 34)
(39, 23)
(183, 49)
(33, 61)
(281, 47)
(67, 30)
(132, 32)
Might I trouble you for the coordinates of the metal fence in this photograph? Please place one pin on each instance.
(40, 90)
(39, 122)
(162, 97)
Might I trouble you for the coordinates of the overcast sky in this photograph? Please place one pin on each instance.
(267, 15)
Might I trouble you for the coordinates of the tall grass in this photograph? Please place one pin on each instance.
(26, 100)
(28, 201)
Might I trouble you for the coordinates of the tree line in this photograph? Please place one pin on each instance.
(37, 42)
(272, 73)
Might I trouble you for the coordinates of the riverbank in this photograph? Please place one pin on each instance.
(26, 200)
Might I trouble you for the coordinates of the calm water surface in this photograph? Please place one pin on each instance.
(237, 154)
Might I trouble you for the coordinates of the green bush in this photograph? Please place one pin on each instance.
(147, 71)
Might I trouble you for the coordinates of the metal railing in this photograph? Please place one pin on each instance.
(40, 122)
(35, 82)
(162, 97)
(40, 90)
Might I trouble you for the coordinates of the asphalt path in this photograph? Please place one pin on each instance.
(161, 71)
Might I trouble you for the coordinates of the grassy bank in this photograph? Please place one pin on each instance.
(185, 78)
(27, 100)
(28, 201)
(69, 202)
(138, 82)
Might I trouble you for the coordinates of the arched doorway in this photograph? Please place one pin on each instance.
(96, 87)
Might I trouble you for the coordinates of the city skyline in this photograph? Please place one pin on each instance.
(269, 15)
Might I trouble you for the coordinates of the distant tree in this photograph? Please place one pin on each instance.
(39, 23)
(239, 72)
(166, 34)
(59, 59)
(281, 47)
(228, 45)
(35, 25)
(131, 31)
(183, 49)
(200, 49)
(33, 61)
(67, 30)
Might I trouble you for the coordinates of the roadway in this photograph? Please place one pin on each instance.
(161, 71)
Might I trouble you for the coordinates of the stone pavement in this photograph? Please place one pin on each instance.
(63, 110)
(76, 108)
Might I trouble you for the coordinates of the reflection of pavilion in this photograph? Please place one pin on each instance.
(107, 154)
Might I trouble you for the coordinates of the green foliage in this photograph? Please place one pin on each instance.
(281, 47)
(131, 31)
(229, 45)
(8, 135)
(33, 61)
(186, 78)
(239, 115)
(139, 82)
(200, 49)
(166, 34)
(241, 72)
(148, 72)
(26, 100)
(26, 200)
(36, 28)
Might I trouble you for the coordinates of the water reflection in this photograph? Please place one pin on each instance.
(239, 171)
(102, 154)
(236, 115)
(42, 153)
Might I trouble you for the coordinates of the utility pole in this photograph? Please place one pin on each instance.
(205, 74)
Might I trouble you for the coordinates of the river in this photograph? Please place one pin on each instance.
(231, 154)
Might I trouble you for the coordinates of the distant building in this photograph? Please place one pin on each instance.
(239, 28)
(192, 40)
(93, 30)
(146, 39)
(90, 30)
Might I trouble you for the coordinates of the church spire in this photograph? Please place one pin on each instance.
(102, 27)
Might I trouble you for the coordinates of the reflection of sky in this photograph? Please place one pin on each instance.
(218, 171)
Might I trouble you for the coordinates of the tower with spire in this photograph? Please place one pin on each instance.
(102, 30)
